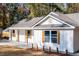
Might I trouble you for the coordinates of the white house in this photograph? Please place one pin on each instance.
(55, 30)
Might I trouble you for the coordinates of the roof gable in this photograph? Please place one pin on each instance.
(50, 19)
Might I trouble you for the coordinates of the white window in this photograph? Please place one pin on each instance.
(51, 36)
(47, 36)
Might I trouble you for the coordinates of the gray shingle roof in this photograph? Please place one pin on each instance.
(72, 19)
(29, 23)
(68, 19)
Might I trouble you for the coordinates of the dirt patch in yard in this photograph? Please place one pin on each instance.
(14, 51)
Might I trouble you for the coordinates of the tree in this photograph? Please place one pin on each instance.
(12, 13)
(3, 15)
(42, 9)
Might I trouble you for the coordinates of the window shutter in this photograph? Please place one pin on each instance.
(26, 36)
(43, 36)
(30, 34)
(58, 35)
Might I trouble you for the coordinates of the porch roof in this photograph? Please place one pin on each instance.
(28, 23)
(43, 28)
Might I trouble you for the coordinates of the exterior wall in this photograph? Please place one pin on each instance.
(16, 36)
(76, 40)
(22, 36)
(66, 41)
(37, 39)
(10, 35)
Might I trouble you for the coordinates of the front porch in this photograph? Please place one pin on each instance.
(35, 39)
(54, 40)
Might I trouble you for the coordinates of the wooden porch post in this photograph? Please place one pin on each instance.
(18, 35)
(26, 36)
(43, 36)
(11, 34)
(58, 37)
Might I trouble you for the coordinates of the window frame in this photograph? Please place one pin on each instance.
(48, 36)
(58, 36)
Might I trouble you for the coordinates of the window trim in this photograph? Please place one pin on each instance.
(55, 37)
(49, 35)
(58, 36)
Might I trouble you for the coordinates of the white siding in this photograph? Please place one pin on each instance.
(22, 36)
(37, 38)
(10, 35)
(62, 41)
(15, 38)
(66, 41)
(51, 21)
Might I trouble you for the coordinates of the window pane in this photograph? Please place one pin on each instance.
(28, 33)
(54, 40)
(54, 36)
(47, 37)
(46, 33)
(53, 32)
